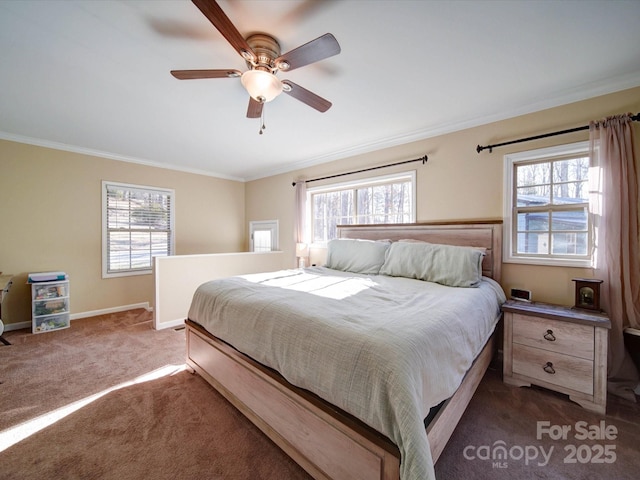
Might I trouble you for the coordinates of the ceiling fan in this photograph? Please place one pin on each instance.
(262, 55)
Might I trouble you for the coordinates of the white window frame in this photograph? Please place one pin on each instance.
(509, 210)
(105, 244)
(369, 181)
(268, 225)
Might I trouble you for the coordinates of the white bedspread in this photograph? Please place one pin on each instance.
(385, 349)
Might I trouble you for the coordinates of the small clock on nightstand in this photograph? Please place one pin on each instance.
(587, 294)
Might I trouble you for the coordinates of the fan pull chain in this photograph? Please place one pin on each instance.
(263, 126)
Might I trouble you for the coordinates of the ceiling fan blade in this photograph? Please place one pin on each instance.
(219, 19)
(255, 108)
(305, 96)
(195, 74)
(322, 47)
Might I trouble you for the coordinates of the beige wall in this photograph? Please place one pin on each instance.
(457, 183)
(51, 204)
(51, 220)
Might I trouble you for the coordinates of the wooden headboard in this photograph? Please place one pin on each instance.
(485, 234)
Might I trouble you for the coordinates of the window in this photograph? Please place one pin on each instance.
(387, 199)
(137, 225)
(263, 236)
(547, 218)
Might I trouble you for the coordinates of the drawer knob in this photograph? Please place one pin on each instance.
(549, 368)
(550, 336)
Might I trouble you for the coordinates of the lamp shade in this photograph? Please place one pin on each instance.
(302, 250)
(262, 86)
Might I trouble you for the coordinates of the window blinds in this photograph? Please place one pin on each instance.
(139, 226)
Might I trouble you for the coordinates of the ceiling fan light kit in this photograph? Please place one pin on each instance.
(262, 55)
(262, 86)
(261, 82)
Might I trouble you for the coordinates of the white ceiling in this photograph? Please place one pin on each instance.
(93, 76)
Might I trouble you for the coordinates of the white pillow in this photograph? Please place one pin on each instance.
(357, 256)
(445, 264)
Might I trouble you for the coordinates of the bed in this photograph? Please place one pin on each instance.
(363, 414)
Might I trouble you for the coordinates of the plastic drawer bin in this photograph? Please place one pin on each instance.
(45, 291)
(50, 307)
(48, 323)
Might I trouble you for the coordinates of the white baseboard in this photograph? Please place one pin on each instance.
(16, 326)
(106, 311)
(91, 313)
(178, 322)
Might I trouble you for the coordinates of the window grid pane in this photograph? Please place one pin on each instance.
(551, 207)
(371, 204)
(262, 240)
(331, 209)
(138, 225)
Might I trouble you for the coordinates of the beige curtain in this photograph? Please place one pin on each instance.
(616, 240)
(301, 206)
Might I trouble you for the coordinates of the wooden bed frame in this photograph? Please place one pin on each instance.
(326, 441)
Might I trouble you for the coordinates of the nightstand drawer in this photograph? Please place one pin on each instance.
(554, 368)
(553, 335)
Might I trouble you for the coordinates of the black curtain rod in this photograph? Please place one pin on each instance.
(421, 159)
(479, 148)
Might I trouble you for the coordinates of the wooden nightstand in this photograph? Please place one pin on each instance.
(560, 348)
